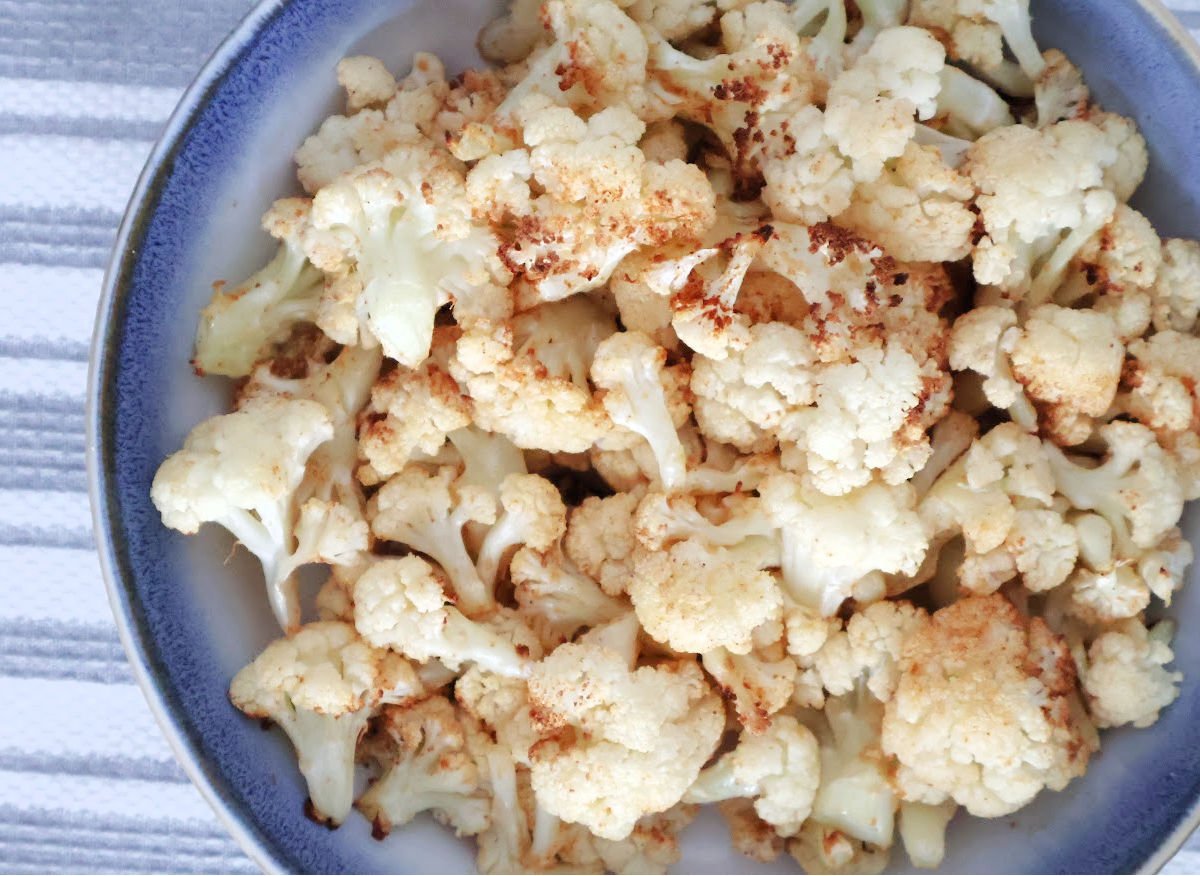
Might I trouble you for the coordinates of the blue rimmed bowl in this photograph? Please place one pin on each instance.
(189, 621)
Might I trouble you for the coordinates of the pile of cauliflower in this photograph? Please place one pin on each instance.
(769, 405)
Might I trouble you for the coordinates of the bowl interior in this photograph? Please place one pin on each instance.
(194, 619)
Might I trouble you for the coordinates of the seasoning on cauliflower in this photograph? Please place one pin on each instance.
(320, 685)
(1015, 679)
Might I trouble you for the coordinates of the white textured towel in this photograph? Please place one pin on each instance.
(87, 783)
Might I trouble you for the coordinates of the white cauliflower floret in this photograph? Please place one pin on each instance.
(427, 511)
(1036, 186)
(596, 59)
(747, 92)
(629, 367)
(1136, 489)
(917, 209)
(870, 111)
(239, 326)
(366, 80)
(321, 685)
(501, 704)
(531, 514)
(982, 341)
(412, 411)
(555, 599)
(781, 769)
(821, 848)
(1125, 679)
(746, 398)
(1176, 293)
(1000, 495)
(696, 597)
(1069, 362)
(869, 648)
(758, 684)
(977, 32)
(615, 729)
(242, 471)
(401, 604)
(528, 378)
(830, 543)
(1160, 382)
(580, 198)
(986, 712)
(421, 751)
(399, 239)
(600, 539)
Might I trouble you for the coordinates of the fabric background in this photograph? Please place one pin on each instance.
(87, 783)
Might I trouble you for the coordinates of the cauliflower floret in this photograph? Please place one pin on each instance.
(366, 80)
(820, 848)
(600, 539)
(750, 835)
(830, 543)
(596, 59)
(986, 712)
(1034, 186)
(1070, 364)
(630, 368)
(528, 378)
(321, 685)
(427, 511)
(746, 398)
(746, 93)
(401, 604)
(982, 341)
(580, 198)
(413, 410)
(869, 648)
(1176, 293)
(421, 752)
(532, 514)
(1000, 495)
(917, 208)
(781, 769)
(976, 32)
(555, 599)
(758, 684)
(1126, 680)
(696, 597)
(240, 325)
(1136, 489)
(870, 110)
(1160, 382)
(398, 237)
(612, 725)
(242, 471)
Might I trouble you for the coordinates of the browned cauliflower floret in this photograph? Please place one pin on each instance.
(986, 711)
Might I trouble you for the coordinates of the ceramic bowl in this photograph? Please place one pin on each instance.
(189, 620)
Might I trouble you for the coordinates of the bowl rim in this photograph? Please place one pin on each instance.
(135, 637)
